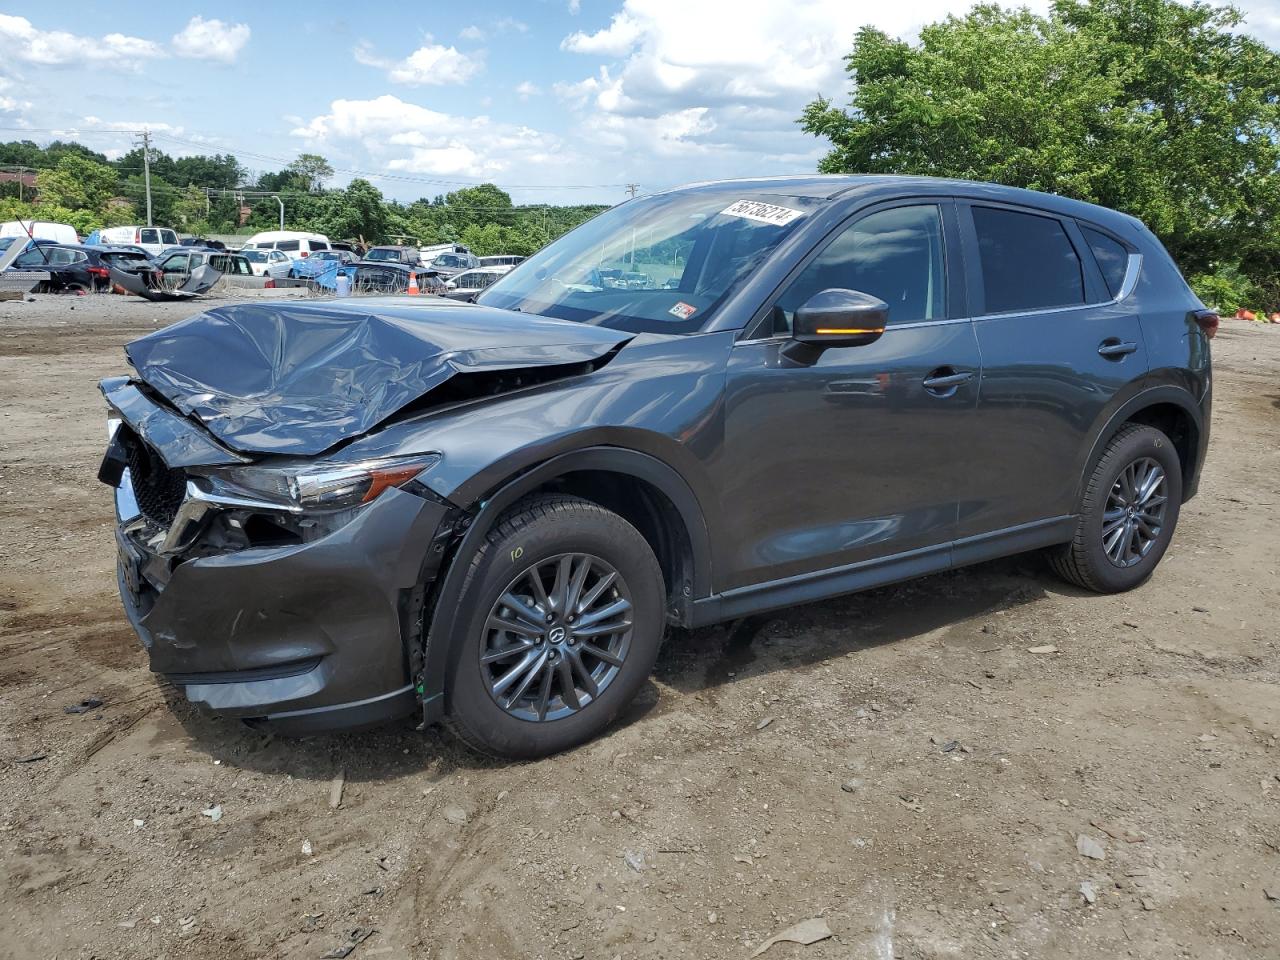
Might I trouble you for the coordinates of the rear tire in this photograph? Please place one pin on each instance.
(1128, 513)
(575, 683)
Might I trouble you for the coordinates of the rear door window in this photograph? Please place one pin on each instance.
(318, 245)
(149, 236)
(287, 245)
(169, 237)
(1027, 261)
(1112, 257)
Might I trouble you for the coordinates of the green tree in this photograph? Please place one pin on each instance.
(310, 170)
(77, 183)
(1156, 108)
(356, 213)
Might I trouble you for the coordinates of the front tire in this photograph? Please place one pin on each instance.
(562, 614)
(1127, 514)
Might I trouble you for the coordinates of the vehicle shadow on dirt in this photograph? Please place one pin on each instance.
(700, 660)
(691, 661)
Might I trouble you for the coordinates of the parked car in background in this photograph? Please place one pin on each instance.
(465, 285)
(202, 242)
(502, 260)
(77, 268)
(177, 265)
(154, 240)
(393, 254)
(447, 264)
(357, 250)
(318, 263)
(295, 243)
(392, 276)
(857, 381)
(39, 230)
(262, 260)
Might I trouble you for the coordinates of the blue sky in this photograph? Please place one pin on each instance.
(555, 100)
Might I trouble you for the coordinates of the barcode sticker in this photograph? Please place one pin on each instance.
(683, 310)
(762, 212)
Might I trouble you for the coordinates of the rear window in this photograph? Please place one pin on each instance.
(124, 257)
(318, 245)
(149, 236)
(168, 236)
(1028, 262)
(1112, 257)
(255, 256)
(287, 245)
(383, 253)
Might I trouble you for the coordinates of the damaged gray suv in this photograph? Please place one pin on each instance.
(707, 403)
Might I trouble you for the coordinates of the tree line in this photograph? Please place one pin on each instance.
(203, 194)
(1161, 109)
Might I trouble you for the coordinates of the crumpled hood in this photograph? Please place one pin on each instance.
(298, 378)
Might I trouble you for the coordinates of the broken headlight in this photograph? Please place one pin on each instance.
(329, 486)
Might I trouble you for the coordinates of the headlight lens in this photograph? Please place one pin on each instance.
(329, 487)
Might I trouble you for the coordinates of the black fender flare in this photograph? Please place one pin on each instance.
(1147, 397)
(438, 635)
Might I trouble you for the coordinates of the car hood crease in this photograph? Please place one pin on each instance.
(297, 379)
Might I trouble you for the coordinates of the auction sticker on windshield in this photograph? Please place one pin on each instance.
(762, 212)
(683, 310)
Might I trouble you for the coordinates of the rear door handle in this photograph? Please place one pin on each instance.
(1114, 347)
(944, 378)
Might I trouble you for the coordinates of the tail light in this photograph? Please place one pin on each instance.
(304, 253)
(1206, 320)
(99, 272)
(269, 285)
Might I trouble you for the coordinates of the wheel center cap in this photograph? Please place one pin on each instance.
(557, 634)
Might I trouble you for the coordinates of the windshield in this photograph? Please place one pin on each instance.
(449, 260)
(662, 264)
(255, 256)
(383, 253)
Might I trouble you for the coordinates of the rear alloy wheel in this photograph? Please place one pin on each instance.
(1127, 513)
(564, 611)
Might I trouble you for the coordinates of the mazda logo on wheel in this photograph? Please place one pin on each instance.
(556, 635)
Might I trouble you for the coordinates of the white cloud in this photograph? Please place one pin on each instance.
(408, 138)
(504, 24)
(23, 42)
(526, 89)
(431, 64)
(471, 33)
(685, 79)
(613, 41)
(575, 7)
(203, 39)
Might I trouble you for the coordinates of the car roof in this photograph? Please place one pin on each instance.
(869, 186)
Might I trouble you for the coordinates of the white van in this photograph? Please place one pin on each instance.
(40, 230)
(151, 239)
(292, 243)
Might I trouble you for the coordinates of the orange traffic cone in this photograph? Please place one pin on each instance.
(413, 290)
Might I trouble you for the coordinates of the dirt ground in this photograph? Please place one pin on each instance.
(898, 763)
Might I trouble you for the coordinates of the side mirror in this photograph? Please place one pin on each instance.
(840, 318)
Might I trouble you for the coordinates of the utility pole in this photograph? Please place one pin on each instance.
(631, 190)
(281, 202)
(146, 169)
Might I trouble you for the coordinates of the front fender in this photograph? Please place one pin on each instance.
(445, 614)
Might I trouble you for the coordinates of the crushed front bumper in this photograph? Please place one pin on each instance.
(307, 638)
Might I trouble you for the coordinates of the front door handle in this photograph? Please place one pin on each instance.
(1115, 348)
(944, 380)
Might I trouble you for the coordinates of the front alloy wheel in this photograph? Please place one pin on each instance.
(557, 637)
(558, 626)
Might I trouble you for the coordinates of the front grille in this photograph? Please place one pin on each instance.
(157, 489)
